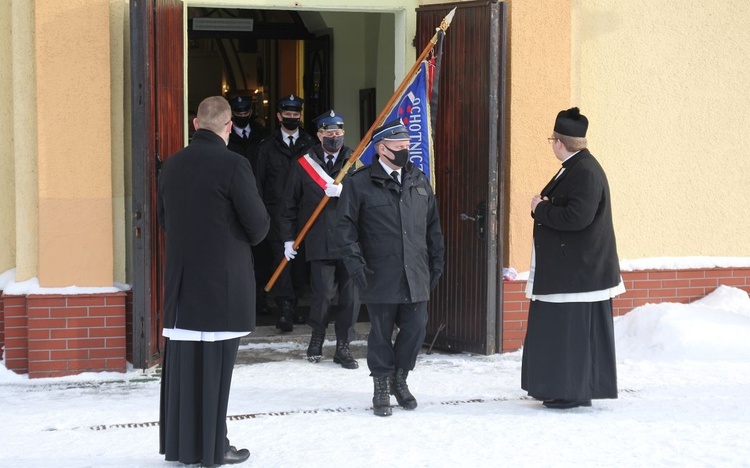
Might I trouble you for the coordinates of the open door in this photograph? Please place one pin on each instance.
(317, 79)
(157, 115)
(464, 312)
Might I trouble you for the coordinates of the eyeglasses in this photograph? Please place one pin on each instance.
(552, 139)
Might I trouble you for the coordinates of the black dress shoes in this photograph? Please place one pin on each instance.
(566, 404)
(234, 456)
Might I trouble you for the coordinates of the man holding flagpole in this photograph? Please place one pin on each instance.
(388, 230)
(310, 178)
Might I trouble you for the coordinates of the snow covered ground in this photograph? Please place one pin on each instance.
(684, 377)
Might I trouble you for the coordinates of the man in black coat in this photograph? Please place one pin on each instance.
(389, 234)
(246, 134)
(275, 156)
(211, 213)
(311, 178)
(244, 139)
(569, 351)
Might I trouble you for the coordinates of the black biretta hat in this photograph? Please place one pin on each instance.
(571, 123)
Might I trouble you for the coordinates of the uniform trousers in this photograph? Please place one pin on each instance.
(326, 276)
(569, 351)
(384, 355)
(195, 382)
(290, 284)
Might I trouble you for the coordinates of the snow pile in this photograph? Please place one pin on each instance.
(716, 327)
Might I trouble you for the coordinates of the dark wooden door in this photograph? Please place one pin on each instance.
(317, 79)
(158, 114)
(469, 148)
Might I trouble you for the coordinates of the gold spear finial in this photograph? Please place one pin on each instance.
(444, 24)
(447, 20)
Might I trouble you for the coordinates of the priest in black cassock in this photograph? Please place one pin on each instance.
(210, 210)
(569, 351)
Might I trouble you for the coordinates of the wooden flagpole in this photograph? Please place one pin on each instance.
(444, 24)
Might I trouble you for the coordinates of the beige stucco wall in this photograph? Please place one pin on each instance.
(7, 165)
(666, 90)
(119, 75)
(72, 45)
(538, 86)
(25, 139)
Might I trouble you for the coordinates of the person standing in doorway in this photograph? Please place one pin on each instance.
(310, 178)
(246, 133)
(276, 154)
(210, 211)
(388, 230)
(244, 139)
(569, 350)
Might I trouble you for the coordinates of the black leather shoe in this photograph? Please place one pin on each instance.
(566, 404)
(234, 456)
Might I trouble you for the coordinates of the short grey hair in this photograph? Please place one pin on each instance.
(572, 144)
(213, 114)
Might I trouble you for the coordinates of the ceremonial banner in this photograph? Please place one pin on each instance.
(413, 108)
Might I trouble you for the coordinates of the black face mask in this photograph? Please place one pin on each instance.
(333, 144)
(241, 122)
(400, 157)
(290, 123)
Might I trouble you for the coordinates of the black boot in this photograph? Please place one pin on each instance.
(343, 356)
(284, 322)
(315, 348)
(399, 388)
(381, 401)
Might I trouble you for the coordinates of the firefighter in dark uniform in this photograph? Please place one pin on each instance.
(244, 139)
(246, 133)
(388, 230)
(275, 156)
(309, 180)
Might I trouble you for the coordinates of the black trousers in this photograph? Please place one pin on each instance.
(290, 285)
(326, 276)
(262, 264)
(384, 356)
(195, 381)
(569, 351)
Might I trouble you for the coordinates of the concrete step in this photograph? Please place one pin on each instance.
(268, 344)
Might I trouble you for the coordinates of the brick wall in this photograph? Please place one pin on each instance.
(56, 335)
(643, 287)
(16, 334)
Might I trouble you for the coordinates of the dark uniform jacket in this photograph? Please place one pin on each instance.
(209, 207)
(301, 196)
(574, 238)
(392, 230)
(274, 159)
(248, 147)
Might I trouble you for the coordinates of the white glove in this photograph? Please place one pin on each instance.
(289, 252)
(334, 190)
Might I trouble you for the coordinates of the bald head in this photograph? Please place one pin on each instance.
(214, 114)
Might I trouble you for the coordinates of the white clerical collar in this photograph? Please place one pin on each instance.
(571, 156)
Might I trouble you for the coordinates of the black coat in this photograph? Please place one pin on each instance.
(248, 147)
(274, 159)
(209, 207)
(392, 230)
(574, 238)
(301, 196)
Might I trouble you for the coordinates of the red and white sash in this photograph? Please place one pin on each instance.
(314, 170)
